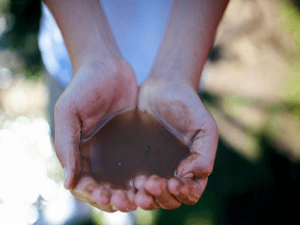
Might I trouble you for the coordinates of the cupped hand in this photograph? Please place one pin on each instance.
(97, 89)
(176, 104)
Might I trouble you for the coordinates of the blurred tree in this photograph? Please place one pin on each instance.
(23, 18)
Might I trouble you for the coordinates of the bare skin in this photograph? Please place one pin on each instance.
(104, 82)
(92, 94)
(178, 106)
(170, 93)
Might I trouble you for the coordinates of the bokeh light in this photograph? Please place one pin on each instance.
(25, 147)
(117, 218)
(58, 209)
(6, 78)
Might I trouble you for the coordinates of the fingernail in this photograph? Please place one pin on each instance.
(188, 175)
(193, 199)
(175, 173)
(130, 196)
(113, 207)
(65, 175)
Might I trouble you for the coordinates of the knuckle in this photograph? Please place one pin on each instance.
(153, 187)
(184, 190)
(209, 169)
(162, 184)
(140, 179)
(206, 171)
(120, 201)
(173, 186)
(156, 185)
(171, 206)
(192, 200)
(154, 177)
(104, 197)
(144, 203)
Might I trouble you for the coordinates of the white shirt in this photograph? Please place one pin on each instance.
(137, 25)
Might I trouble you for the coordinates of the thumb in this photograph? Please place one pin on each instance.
(67, 141)
(203, 151)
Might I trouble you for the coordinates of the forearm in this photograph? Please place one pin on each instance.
(188, 39)
(85, 30)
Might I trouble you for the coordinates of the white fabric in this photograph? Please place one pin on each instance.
(138, 27)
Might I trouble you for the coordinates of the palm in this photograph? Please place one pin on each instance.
(98, 91)
(177, 105)
(94, 92)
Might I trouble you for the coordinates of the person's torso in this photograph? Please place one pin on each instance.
(138, 27)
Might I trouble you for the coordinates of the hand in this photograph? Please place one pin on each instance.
(177, 105)
(97, 89)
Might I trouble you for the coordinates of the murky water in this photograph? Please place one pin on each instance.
(131, 143)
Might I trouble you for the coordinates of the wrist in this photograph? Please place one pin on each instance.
(184, 75)
(85, 30)
(95, 67)
(169, 82)
(102, 59)
(187, 41)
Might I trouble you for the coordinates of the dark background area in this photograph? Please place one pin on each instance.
(23, 23)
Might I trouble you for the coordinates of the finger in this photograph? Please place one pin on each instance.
(139, 181)
(106, 208)
(145, 201)
(203, 151)
(121, 201)
(88, 190)
(67, 137)
(186, 190)
(157, 187)
(102, 195)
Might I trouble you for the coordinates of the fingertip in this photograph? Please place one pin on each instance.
(188, 175)
(158, 188)
(66, 179)
(174, 185)
(120, 200)
(67, 139)
(180, 169)
(191, 167)
(131, 195)
(155, 185)
(102, 195)
(145, 201)
(139, 182)
(67, 186)
(70, 179)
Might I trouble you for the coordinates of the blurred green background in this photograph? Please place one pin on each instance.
(251, 86)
